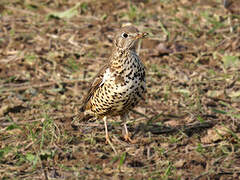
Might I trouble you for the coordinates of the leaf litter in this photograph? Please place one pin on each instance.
(187, 128)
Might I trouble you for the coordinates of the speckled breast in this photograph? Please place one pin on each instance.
(122, 90)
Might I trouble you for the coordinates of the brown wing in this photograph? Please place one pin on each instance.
(94, 86)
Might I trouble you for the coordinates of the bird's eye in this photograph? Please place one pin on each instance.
(124, 35)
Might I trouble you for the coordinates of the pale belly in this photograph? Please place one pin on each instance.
(115, 99)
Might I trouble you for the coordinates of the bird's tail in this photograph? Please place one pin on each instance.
(82, 116)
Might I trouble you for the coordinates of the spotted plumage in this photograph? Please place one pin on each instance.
(120, 84)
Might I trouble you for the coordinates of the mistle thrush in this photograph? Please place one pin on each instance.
(120, 84)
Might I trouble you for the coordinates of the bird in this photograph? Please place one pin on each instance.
(120, 84)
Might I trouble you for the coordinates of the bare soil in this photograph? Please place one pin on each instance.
(189, 125)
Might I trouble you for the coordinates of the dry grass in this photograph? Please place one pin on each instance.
(188, 128)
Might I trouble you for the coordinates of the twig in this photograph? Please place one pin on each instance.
(39, 85)
(141, 114)
(33, 120)
(44, 171)
(217, 174)
(157, 129)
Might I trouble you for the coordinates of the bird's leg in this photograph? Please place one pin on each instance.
(126, 135)
(106, 129)
(107, 136)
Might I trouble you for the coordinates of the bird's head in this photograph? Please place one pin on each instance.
(126, 38)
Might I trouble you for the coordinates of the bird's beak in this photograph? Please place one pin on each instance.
(141, 35)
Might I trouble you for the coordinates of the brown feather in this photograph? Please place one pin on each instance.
(93, 87)
(119, 80)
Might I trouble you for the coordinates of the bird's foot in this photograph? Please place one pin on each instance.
(128, 139)
(108, 141)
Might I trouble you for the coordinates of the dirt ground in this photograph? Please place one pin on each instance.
(189, 125)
